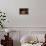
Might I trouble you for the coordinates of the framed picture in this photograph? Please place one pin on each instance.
(23, 11)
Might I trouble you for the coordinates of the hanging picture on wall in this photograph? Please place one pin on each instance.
(23, 11)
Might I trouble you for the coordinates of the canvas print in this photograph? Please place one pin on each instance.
(23, 11)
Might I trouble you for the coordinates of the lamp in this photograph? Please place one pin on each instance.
(7, 31)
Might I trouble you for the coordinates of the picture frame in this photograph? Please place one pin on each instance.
(23, 11)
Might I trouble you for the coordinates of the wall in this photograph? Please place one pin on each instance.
(35, 21)
(36, 17)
